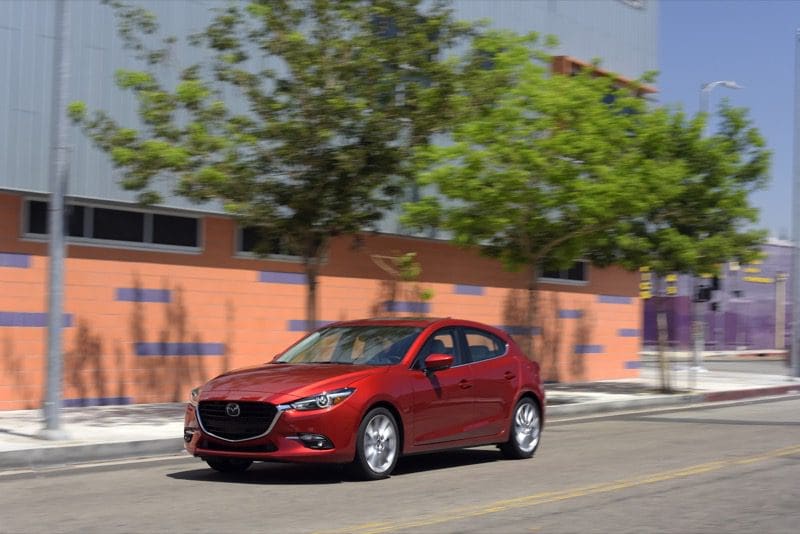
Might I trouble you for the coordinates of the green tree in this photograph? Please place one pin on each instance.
(312, 146)
(545, 169)
(703, 217)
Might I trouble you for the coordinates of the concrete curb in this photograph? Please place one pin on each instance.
(53, 455)
(679, 399)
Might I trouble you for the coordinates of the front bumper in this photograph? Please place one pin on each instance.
(339, 424)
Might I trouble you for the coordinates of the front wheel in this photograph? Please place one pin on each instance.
(228, 465)
(523, 438)
(377, 446)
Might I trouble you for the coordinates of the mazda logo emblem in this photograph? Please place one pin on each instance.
(233, 409)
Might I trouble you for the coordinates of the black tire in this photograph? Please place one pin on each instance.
(377, 446)
(228, 465)
(524, 430)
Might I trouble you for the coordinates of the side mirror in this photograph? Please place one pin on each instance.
(438, 362)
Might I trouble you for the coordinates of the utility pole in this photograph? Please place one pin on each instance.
(795, 361)
(59, 174)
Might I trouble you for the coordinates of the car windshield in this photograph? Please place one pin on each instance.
(362, 345)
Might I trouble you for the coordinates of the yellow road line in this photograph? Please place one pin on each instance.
(555, 496)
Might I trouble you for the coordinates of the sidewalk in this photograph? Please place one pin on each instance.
(112, 432)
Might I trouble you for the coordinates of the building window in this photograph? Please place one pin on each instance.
(577, 272)
(248, 241)
(86, 223)
(118, 225)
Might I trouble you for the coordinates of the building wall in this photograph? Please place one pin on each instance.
(750, 311)
(623, 35)
(147, 326)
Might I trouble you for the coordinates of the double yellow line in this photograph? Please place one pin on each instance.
(555, 496)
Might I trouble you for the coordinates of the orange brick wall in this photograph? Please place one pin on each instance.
(147, 326)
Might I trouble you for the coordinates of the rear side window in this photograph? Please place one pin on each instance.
(483, 345)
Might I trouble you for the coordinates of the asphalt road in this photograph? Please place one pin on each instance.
(716, 469)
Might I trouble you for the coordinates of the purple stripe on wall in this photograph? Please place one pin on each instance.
(633, 365)
(299, 325)
(137, 294)
(519, 330)
(570, 314)
(9, 259)
(29, 319)
(614, 299)
(274, 277)
(589, 349)
(406, 306)
(179, 349)
(461, 289)
(628, 332)
(96, 401)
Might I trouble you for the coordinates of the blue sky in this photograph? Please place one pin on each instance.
(748, 41)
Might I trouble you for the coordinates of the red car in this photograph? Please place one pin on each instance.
(365, 392)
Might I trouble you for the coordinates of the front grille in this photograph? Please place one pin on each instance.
(254, 419)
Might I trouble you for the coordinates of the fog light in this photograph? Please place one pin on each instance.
(315, 441)
(188, 435)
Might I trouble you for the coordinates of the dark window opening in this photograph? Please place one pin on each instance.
(38, 219)
(174, 230)
(118, 225)
(252, 240)
(576, 272)
(115, 225)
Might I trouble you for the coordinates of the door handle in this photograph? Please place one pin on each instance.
(509, 375)
(464, 384)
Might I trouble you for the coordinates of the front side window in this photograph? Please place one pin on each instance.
(441, 342)
(360, 345)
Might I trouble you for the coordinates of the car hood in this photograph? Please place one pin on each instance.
(298, 380)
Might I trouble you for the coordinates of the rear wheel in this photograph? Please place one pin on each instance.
(228, 465)
(377, 446)
(523, 436)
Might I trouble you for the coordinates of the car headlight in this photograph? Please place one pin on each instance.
(326, 399)
(194, 395)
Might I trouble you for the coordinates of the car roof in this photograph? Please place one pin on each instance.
(421, 322)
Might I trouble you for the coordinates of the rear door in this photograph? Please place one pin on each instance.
(495, 376)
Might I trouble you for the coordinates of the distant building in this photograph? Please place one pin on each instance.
(750, 311)
(159, 299)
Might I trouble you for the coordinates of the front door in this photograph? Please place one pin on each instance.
(443, 400)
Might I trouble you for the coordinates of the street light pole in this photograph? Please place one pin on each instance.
(706, 88)
(698, 325)
(59, 172)
(795, 272)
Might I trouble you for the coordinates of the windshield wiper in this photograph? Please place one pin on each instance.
(334, 363)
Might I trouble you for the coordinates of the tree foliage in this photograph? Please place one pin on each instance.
(300, 120)
(545, 169)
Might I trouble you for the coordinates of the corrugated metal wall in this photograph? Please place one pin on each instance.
(624, 36)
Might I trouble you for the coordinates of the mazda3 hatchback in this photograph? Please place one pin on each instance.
(363, 393)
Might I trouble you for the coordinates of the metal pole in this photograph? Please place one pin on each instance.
(59, 172)
(795, 360)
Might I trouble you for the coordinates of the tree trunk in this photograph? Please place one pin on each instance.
(531, 311)
(311, 299)
(311, 265)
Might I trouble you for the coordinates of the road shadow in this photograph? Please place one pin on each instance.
(272, 473)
